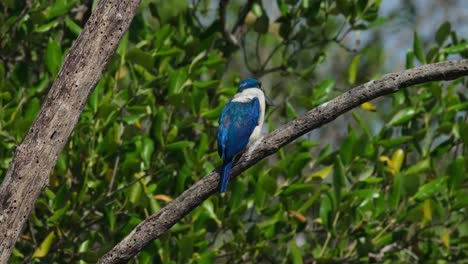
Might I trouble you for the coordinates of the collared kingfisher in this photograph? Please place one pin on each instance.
(240, 125)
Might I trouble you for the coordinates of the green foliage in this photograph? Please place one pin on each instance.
(397, 180)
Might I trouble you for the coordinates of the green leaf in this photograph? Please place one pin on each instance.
(346, 150)
(47, 27)
(135, 192)
(353, 68)
(456, 174)
(111, 220)
(290, 111)
(338, 178)
(299, 188)
(59, 8)
(205, 84)
(443, 32)
(409, 59)
(268, 183)
(180, 145)
(197, 59)
(323, 91)
(44, 248)
(58, 215)
(325, 210)
(419, 167)
(459, 48)
(396, 141)
(418, 48)
(209, 207)
(403, 116)
(177, 80)
(148, 149)
(296, 257)
(72, 26)
(429, 189)
(141, 57)
(53, 56)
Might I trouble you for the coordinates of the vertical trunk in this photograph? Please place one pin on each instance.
(34, 159)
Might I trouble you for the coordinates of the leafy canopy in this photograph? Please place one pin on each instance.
(393, 181)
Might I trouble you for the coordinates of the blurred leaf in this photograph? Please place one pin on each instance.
(419, 167)
(461, 47)
(456, 173)
(58, 215)
(290, 111)
(75, 28)
(135, 192)
(177, 80)
(323, 173)
(368, 106)
(47, 27)
(296, 257)
(44, 248)
(427, 210)
(353, 69)
(403, 116)
(429, 189)
(148, 149)
(323, 91)
(418, 48)
(298, 188)
(446, 238)
(443, 32)
(180, 145)
(208, 205)
(53, 56)
(410, 59)
(325, 210)
(398, 157)
(59, 8)
(396, 141)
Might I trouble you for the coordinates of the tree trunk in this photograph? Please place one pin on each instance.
(34, 159)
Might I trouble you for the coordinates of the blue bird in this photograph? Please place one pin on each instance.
(240, 124)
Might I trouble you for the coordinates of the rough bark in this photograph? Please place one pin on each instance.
(34, 159)
(157, 224)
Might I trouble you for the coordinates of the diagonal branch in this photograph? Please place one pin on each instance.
(34, 159)
(157, 224)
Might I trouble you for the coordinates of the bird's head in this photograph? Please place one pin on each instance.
(249, 83)
(253, 83)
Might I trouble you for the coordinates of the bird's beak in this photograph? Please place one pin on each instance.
(268, 101)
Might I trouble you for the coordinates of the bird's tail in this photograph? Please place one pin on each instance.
(223, 184)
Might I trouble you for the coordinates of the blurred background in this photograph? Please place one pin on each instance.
(386, 182)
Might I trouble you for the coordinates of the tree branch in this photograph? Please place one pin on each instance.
(157, 224)
(242, 15)
(230, 38)
(34, 159)
(233, 37)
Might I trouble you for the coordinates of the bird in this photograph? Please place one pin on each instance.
(240, 124)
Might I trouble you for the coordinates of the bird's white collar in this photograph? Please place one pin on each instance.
(248, 94)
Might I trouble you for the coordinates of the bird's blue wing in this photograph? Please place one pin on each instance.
(236, 124)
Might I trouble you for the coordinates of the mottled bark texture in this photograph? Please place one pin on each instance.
(34, 159)
(156, 225)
